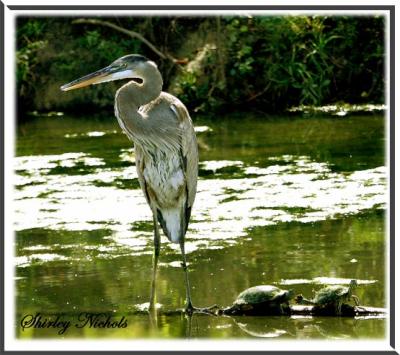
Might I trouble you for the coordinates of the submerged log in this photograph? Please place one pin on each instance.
(291, 310)
(306, 310)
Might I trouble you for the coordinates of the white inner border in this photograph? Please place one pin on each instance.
(11, 343)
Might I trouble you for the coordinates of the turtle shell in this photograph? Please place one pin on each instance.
(262, 294)
(330, 294)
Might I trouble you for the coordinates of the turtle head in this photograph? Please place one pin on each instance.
(299, 299)
(353, 284)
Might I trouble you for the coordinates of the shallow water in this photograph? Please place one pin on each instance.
(295, 202)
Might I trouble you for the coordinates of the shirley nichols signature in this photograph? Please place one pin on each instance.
(84, 319)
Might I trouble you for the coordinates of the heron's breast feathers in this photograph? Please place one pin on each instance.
(165, 178)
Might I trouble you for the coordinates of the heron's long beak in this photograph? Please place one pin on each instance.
(103, 75)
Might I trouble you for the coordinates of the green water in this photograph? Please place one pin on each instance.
(294, 202)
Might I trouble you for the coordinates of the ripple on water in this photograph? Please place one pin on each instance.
(291, 189)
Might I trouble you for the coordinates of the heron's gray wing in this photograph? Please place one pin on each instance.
(189, 154)
(140, 168)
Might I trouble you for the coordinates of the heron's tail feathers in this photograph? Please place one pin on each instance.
(173, 223)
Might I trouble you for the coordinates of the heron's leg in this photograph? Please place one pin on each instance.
(189, 321)
(156, 253)
(189, 307)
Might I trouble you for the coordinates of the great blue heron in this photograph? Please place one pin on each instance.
(165, 148)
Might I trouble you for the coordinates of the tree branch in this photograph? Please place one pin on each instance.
(132, 34)
(253, 97)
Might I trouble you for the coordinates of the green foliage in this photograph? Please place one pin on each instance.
(197, 84)
(285, 58)
(27, 59)
(266, 63)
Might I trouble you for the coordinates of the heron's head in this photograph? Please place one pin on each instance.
(131, 66)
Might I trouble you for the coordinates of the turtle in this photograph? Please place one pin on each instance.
(331, 297)
(261, 299)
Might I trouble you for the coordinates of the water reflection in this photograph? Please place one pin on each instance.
(289, 202)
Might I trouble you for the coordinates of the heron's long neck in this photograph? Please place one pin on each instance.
(131, 97)
(133, 94)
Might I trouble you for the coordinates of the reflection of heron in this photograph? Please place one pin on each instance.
(165, 148)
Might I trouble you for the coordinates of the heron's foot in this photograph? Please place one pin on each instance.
(212, 310)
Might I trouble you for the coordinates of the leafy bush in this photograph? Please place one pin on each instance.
(266, 63)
